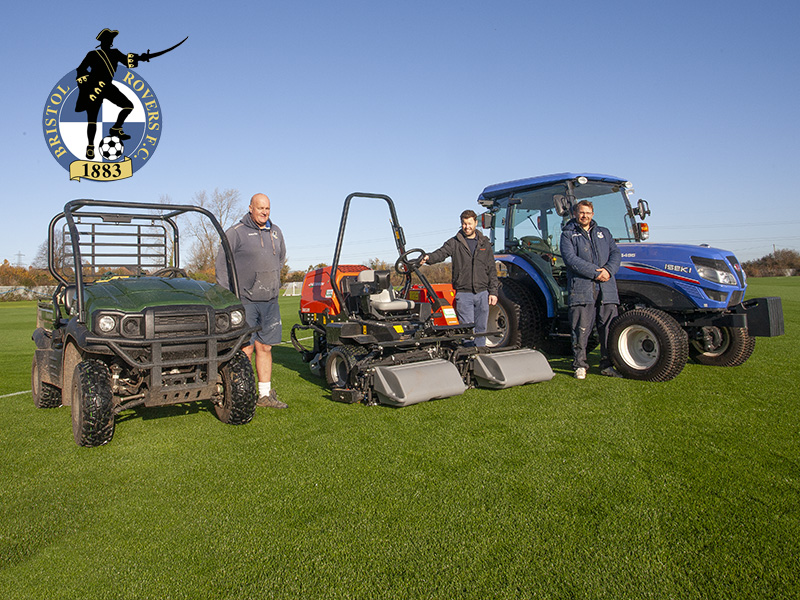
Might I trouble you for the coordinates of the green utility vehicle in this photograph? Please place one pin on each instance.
(127, 327)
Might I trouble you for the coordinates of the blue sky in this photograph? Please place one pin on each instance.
(428, 102)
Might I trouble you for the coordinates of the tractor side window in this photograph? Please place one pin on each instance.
(499, 232)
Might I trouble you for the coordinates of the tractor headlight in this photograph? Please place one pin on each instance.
(714, 270)
(106, 323)
(237, 318)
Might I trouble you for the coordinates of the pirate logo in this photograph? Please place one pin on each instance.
(86, 111)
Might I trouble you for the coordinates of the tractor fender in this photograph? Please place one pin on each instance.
(534, 274)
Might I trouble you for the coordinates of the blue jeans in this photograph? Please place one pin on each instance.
(474, 308)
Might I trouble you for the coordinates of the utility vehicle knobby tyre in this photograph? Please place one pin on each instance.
(732, 347)
(92, 404)
(338, 364)
(44, 394)
(647, 344)
(239, 391)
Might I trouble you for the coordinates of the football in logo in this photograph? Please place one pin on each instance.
(111, 148)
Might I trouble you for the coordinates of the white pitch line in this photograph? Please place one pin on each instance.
(15, 394)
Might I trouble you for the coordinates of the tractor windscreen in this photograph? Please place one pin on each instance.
(610, 207)
(536, 223)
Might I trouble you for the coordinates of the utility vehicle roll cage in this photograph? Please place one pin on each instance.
(124, 238)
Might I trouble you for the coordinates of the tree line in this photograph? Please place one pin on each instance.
(228, 207)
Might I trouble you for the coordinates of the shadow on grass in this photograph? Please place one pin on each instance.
(147, 413)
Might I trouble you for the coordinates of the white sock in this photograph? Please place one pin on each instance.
(263, 388)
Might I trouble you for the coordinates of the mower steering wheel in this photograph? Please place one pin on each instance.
(171, 272)
(407, 264)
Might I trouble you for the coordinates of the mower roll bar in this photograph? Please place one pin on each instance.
(399, 240)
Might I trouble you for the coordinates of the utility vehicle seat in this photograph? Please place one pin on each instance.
(383, 300)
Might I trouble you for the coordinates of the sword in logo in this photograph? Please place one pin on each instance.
(134, 59)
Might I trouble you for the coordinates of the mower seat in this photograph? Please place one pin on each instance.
(383, 299)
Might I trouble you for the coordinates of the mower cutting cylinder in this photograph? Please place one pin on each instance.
(402, 385)
(500, 370)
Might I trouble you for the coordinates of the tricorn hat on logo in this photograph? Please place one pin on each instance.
(107, 33)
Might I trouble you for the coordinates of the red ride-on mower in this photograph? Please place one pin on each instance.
(379, 346)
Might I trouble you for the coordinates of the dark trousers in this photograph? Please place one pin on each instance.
(582, 319)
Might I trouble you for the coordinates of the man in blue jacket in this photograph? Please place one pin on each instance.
(592, 260)
(259, 253)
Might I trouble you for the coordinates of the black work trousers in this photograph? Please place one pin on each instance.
(582, 319)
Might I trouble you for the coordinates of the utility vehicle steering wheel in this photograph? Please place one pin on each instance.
(409, 264)
(171, 272)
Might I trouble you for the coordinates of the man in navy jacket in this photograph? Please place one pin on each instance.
(592, 260)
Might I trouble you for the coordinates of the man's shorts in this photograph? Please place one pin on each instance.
(267, 317)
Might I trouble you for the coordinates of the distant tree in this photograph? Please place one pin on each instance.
(226, 206)
(780, 263)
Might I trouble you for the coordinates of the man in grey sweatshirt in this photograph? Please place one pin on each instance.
(259, 253)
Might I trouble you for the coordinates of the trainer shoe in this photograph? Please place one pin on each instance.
(610, 372)
(90, 152)
(271, 401)
(580, 373)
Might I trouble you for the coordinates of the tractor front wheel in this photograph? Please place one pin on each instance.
(648, 344)
(730, 347)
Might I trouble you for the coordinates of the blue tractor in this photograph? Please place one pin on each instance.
(677, 301)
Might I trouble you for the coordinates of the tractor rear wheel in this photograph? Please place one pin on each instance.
(92, 403)
(647, 344)
(731, 347)
(239, 394)
(516, 316)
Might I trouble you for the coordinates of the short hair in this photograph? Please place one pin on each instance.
(586, 203)
(469, 214)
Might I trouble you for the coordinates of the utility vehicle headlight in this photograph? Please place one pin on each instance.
(714, 270)
(106, 323)
(237, 318)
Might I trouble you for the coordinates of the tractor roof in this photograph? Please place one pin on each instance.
(509, 187)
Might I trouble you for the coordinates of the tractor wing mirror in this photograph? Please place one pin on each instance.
(642, 209)
(563, 205)
(487, 220)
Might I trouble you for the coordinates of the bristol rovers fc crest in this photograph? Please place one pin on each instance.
(103, 121)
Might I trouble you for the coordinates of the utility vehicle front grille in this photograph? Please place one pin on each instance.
(166, 325)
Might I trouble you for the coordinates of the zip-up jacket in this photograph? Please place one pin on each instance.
(259, 255)
(584, 252)
(471, 272)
